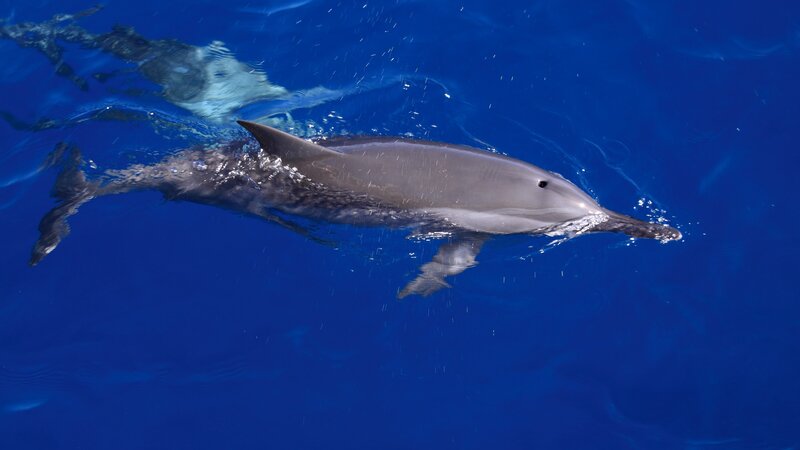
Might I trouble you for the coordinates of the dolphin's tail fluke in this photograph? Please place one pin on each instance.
(72, 190)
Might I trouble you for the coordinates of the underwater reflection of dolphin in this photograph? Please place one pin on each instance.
(464, 192)
(208, 81)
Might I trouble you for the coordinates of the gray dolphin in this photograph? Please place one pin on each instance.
(463, 192)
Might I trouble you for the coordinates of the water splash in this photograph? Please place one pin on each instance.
(429, 236)
(656, 214)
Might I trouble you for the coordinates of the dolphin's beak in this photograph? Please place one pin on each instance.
(620, 223)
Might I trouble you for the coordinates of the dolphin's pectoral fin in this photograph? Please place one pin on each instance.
(451, 259)
(291, 149)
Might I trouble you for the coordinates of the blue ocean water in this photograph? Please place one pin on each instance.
(161, 325)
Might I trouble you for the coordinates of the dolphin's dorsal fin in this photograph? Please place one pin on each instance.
(290, 149)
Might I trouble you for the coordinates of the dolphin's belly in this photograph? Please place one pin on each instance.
(492, 222)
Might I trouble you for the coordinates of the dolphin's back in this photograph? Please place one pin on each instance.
(407, 173)
(422, 174)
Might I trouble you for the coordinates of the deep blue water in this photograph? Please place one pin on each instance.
(165, 325)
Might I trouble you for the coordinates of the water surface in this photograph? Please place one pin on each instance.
(173, 325)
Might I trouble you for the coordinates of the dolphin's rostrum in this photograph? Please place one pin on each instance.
(370, 181)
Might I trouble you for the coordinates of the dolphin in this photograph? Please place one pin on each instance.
(465, 193)
(208, 81)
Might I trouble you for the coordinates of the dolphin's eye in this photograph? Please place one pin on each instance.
(543, 184)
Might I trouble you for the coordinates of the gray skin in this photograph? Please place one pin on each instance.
(464, 192)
